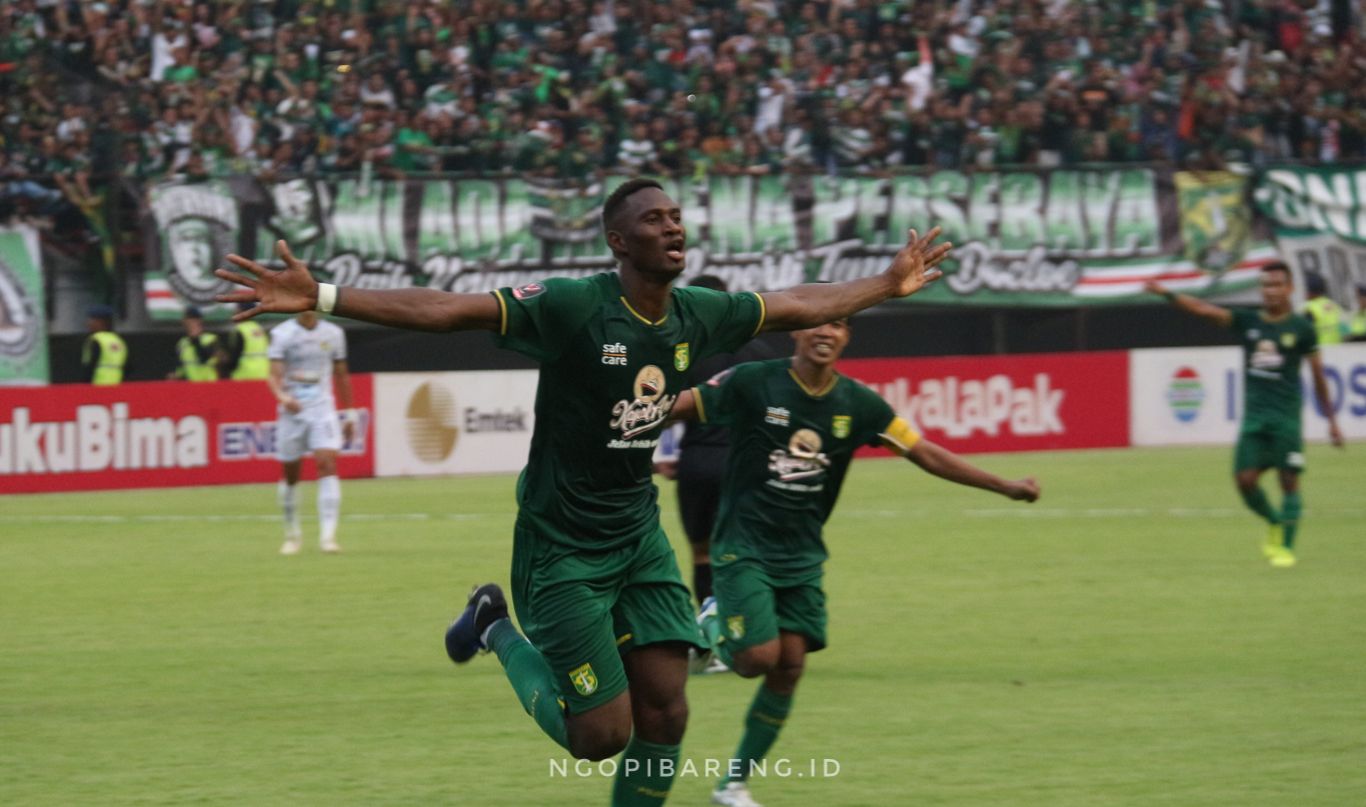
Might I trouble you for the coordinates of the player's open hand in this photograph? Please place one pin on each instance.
(1023, 490)
(913, 268)
(287, 291)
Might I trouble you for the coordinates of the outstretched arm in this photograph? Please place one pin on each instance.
(293, 289)
(813, 304)
(947, 465)
(1192, 305)
(1325, 400)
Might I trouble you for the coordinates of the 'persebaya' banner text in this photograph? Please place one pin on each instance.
(1063, 237)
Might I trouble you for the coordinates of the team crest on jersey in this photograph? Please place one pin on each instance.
(584, 679)
(1288, 341)
(528, 291)
(649, 408)
(735, 625)
(840, 426)
(681, 359)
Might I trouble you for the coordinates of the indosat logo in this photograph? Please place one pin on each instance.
(1185, 394)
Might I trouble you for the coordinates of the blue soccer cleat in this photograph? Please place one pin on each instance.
(486, 606)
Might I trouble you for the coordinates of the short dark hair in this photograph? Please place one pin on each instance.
(617, 198)
(709, 282)
(1279, 266)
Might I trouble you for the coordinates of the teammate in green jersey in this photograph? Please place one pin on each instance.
(1274, 340)
(794, 426)
(595, 584)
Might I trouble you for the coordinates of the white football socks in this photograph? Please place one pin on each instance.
(329, 508)
(287, 503)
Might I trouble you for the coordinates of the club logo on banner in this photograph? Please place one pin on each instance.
(1024, 237)
(23, 324)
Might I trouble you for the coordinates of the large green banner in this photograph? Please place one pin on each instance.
(23, 318)
(1023, 238)
(1319, 219)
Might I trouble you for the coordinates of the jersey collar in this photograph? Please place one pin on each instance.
(821, 393)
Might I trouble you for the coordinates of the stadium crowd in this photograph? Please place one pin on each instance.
(154, 88)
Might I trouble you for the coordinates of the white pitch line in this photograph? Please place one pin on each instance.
(1131, 512)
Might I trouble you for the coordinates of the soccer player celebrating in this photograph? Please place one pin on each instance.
(794, 427)
(594, 580)
(1274, 340)
(306, 356)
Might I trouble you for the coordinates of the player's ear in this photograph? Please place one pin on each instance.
(616, 242)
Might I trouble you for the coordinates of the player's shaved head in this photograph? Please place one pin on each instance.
(616, 203)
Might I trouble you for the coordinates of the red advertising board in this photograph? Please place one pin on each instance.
(154, 434)
(1007, 403)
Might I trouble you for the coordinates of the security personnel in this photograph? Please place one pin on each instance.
(104, 354)
(1358, 326)
(243, 357)
(1329, 321)
(197, 350)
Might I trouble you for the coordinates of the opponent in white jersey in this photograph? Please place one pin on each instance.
(306, 356)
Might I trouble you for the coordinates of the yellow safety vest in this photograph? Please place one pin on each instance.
(1358, 328)
(1327, 318)
(191, 368)
(113, 356)
(253, 364)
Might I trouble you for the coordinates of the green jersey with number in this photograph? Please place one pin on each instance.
(790, 448)
(608, 381)
(1272, 353)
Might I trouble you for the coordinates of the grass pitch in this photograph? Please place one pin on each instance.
(1120, 642)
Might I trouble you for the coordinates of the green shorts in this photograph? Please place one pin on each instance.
(1261, 446)
(584, 609)
(754, 602)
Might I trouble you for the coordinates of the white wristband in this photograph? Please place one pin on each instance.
(327, 297)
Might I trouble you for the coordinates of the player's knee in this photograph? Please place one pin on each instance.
(671, 721)
(757, 661)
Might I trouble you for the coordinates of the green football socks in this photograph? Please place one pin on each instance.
(531, 679)
(1291, 507)
(1257, 502)
(764, 720)
(645, 774)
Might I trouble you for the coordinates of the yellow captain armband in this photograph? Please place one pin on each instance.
(900, 437)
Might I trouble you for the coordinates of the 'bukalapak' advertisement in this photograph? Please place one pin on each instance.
(1030, 237)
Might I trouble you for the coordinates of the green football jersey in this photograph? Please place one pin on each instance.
(790, 448)
(608, 381)
(1272, 353)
